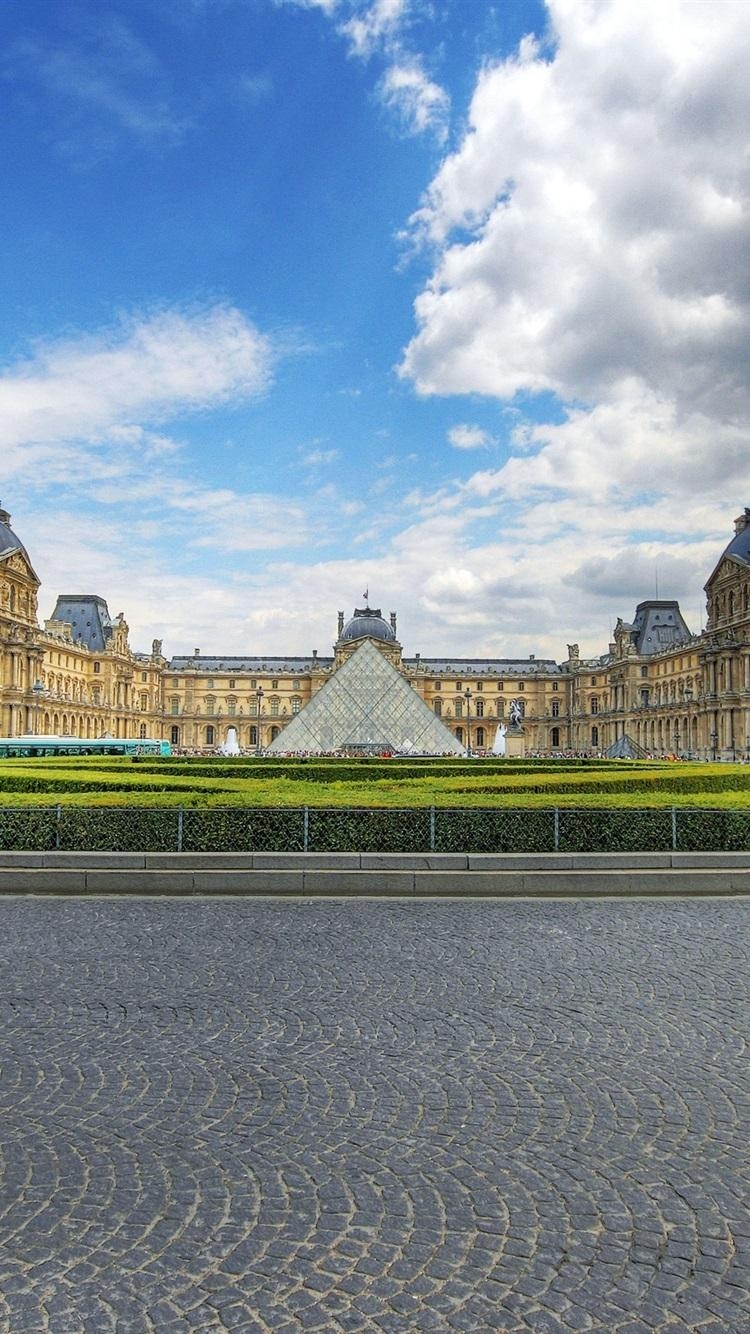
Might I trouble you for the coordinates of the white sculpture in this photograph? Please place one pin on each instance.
(498, 745)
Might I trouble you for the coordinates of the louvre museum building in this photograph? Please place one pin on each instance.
(657, 689)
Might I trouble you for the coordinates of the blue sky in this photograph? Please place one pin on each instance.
(447, 300)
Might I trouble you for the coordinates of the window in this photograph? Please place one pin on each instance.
(253, 683)
(174, 704)
(144, 701)
(555, 738)
(555, 708)
(231, 707)
(437, 705)
(274, 708)
(459, 734)
(480, 685)
(97, 665)
(275, 684)
(644, 699)
(594, 703)
(480, 708)
(253, 708)
(458, 685)
(500, 685)
(501, 708)
(253, 736)
(593, 680)
(210, 736)
(644, 671)
(210, 704)
(295, 686)
(595, 736)
(231, 684)
(144, 676)
(174, 736)
(480, 736)
(96, 695)
(296, 703)
(555, 686)
(459, 708)
(209, 683)
(438, 685)
(521, 685)
(142, 731)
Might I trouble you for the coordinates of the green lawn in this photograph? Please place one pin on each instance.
(91, 781)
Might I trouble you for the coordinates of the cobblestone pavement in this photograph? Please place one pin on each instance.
(377, 1116)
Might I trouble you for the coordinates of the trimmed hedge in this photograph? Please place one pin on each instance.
(314, 829)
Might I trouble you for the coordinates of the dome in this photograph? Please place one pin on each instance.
(368, 623)
(8, 540)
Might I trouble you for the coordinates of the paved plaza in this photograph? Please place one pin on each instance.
(256, 1115)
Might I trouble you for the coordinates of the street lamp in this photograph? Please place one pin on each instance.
(677, 740)
(38, 691)
(467, 697)
(714, 739)
(259, 698)
(688, 702)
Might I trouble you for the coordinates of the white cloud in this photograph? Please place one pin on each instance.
(376, 29)
(590, 238)
(80, 390)
(316, 458)
(463, 436)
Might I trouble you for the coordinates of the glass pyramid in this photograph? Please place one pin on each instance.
(367, 707)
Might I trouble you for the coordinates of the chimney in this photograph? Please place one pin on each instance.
(740, 524)
(393, 621)
(341, 623)
(196, 653)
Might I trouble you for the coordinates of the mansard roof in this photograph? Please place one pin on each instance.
(89, 619)
(9, 542)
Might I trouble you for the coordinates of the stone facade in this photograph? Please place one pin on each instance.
(666, 690)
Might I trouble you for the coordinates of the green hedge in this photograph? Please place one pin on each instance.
(221, 829)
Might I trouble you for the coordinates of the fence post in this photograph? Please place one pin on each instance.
(432, 828)
(180, 815)
(305, 828)
(58, 819)
(674, 829)
(557, 830)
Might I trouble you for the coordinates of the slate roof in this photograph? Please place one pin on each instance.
(89, 617)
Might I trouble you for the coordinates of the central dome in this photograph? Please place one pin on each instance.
(368, 623)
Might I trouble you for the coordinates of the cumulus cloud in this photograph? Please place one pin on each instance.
(590, 237)
(469, 437)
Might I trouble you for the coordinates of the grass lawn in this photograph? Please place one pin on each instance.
(93, 781)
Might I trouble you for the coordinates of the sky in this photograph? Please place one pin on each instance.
(446, 301)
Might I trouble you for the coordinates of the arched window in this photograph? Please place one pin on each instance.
(274, 733)
(437, 705)
(253, 736)
(174, 736)
(210, 736)
(595, 736)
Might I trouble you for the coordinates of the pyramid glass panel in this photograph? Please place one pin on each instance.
(367, 706)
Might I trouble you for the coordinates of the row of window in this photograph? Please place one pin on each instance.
(210, 683)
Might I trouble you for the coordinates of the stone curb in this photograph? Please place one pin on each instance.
(119, 875)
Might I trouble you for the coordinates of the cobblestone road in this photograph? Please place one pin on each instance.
(374, 1116)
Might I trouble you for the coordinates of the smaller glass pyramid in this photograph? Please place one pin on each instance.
(366, 707)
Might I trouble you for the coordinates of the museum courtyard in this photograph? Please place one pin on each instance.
(378, 1116)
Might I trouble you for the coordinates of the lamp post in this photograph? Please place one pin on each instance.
(677, 740)
(467, 697)
(259, 698)
(38, 691)
(688, 702)
(714, 739)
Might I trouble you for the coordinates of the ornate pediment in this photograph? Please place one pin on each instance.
(728, 571)
(17, 563)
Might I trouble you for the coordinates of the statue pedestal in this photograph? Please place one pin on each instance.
(515, 743)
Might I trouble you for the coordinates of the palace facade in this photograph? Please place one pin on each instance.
(658, 689)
